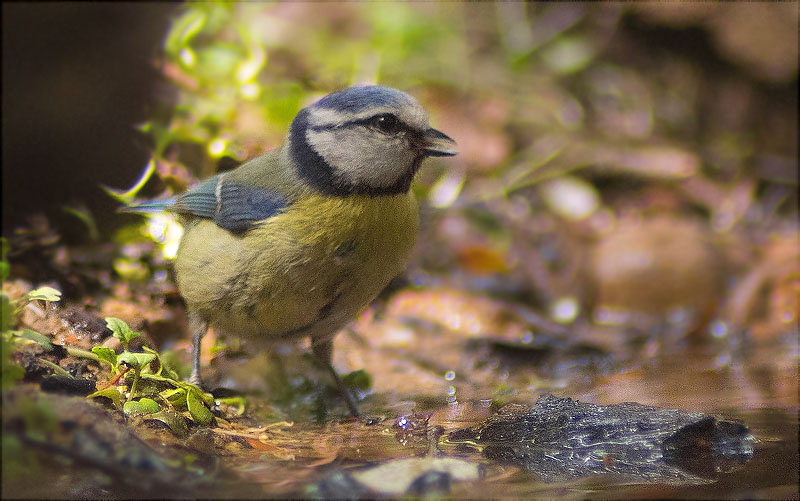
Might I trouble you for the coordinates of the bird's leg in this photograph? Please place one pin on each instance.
(323, 353)
(198, 327)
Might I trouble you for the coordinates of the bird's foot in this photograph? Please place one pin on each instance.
(196, 380)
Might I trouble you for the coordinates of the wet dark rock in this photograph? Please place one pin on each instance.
(79, 368)
(429, 483)
(34, 368)
(339, 485)
(68, 385)
(708, 447)
(561, 439)
(55, 351)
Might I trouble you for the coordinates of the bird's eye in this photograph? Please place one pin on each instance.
(388, 124)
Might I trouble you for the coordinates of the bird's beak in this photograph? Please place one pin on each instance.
(438, 144)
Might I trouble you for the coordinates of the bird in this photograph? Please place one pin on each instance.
(295, 242)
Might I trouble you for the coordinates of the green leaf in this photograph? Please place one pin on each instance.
(44, 294)
(121, 331)
(238, 401)
(208, 398)
(176, 397)
(136, 360)
(162, 368)
(110, 393)
(169, 394)
(57, 369)
(174, 394)
(107, 355)
(161, 379)
(141, 406)
(39, 338)
(198, 410)
(148, 387)
(170, 374)
(174, 421)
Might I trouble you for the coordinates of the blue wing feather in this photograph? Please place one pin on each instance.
(230, 205)
(200, 201)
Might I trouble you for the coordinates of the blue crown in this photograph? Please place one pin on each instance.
(356, 99)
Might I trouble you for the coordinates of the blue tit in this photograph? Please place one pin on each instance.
(297, 241)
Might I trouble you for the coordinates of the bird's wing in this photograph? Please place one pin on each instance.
(229, 204)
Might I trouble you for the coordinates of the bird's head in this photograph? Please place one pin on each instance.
(364, 140)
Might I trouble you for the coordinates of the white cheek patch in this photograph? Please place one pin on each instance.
(359, 155)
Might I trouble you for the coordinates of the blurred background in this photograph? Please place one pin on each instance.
(621, 225)
(622, 164)
(576, 122)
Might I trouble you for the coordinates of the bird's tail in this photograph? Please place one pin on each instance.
(148, 206)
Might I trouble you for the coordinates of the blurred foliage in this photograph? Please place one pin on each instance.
(572, 120)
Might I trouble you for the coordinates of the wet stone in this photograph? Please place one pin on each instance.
(339, 485)
(561, 439)
(35, 370)
(68, 386)
(429, 483)
(708, 447)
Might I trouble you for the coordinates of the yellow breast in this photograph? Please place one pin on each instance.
(317, 264)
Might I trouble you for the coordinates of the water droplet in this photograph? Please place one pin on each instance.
(565, 309)
(719, 329)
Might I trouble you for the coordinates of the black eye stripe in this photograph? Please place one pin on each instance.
(361, 122)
